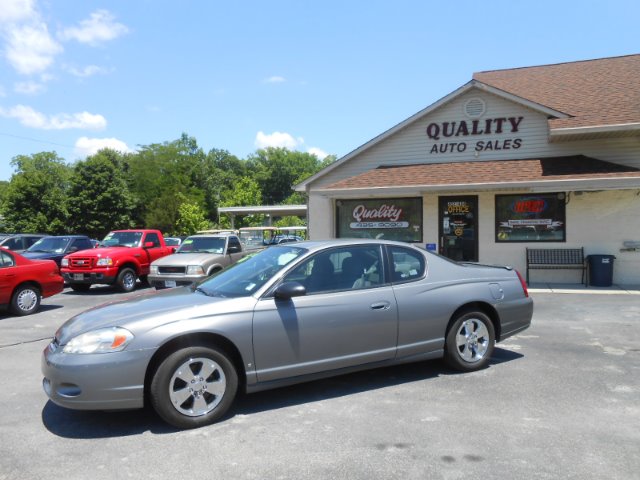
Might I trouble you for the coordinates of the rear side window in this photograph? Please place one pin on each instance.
(406, 264)
(6, 260)
(82, 244)
(234, 242)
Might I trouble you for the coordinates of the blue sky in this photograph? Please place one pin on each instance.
(323, 76)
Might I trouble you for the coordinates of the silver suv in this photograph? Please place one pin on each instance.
(198, 256)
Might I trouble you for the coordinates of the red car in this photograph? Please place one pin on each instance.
(24, 282)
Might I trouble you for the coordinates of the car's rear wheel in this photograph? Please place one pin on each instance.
(470, 341)
(194, 387)
(126, 281)
(25, 300)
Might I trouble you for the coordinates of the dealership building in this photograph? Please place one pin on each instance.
(536, 157)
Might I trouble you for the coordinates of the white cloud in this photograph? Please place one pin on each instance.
(29, 88)
(88, 71)
(30, 49)
(98, 28)
(277, 139)
(321, 154)
(29, 117)
(275, 79)
(90, 146)
(16, 10)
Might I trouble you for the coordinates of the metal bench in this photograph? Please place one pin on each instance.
(556, 259)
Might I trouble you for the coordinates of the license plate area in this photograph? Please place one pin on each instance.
(78, 276)
(169, 283)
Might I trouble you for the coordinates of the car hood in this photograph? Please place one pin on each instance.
(181, 259)
(42, 255)
(148, 311)
(100, 252)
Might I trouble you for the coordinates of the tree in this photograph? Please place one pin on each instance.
(35, 198)
(99, 197)
(191, 218)
(246, 193)
(277, 170)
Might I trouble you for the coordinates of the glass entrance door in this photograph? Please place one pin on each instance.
(458, 218)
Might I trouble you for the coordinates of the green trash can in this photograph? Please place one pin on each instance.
(601, 270)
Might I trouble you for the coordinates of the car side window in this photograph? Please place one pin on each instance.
(406, 264)
(31, 240)
(340, 269)
(234, 242)
(6, 260)
(153, 237)
(82, 244)
(13, 243)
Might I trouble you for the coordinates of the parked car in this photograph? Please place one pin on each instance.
(55, 248)
(287, 314)
(172, 241)
(24, 283)
(123, 257)
(19, 242)
(198, 257)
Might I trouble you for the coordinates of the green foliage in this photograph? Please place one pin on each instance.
(99, 197)
(290, 221)
(35, 198)
(172, 186)
(277, 170)
(191, 218)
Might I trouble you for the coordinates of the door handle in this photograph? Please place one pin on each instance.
(380, 306)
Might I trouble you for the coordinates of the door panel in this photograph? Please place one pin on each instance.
(325, 331)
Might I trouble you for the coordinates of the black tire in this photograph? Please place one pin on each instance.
(80, 287)
(470, 341)
(25, 300)
(126, 280)
(190, 376)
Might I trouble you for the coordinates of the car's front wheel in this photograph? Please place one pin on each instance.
(194, 387)
(126, 280)
(25, 300)
(470, 341)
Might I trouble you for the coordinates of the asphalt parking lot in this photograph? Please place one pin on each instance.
(560, 400)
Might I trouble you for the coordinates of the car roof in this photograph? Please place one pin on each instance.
(341, 242)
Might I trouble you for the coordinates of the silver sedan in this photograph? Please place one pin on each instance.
(291, 313)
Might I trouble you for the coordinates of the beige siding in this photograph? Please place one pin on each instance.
(412, 146)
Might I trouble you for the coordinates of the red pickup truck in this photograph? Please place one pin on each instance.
(125, 256)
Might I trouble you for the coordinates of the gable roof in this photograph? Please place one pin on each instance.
(588, 98)
(490, 174)
(594, 93)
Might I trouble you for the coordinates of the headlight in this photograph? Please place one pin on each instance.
(104, 262)
(64, 262)
(104, 340)
(153, 270)
(195, 270)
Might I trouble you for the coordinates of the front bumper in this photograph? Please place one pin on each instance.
(90, 278)
(166, 281)
(103, 381)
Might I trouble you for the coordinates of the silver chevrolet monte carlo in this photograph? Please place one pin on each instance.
(288, 314)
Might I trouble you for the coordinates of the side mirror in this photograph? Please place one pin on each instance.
(148, 244)
(288, 290)
(234, 249)
(73, 249)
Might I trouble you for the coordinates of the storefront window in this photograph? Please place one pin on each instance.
(388, 218)
(531, 218)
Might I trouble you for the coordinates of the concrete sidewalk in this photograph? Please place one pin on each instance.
(579, 288)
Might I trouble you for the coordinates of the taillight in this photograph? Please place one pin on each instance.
(523, 283)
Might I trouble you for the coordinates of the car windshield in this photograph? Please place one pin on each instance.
(122, 239)
(50, 245)
(248, 275)
(202, 245)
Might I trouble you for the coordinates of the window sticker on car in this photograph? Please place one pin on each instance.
(250, 287)
(187, 241)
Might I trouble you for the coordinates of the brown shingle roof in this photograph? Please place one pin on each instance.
(493, 172)
(597, 92)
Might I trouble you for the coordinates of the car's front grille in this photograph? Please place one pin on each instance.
(174, 270)
(81, 262)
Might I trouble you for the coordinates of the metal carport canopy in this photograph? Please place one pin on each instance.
(269, 210)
